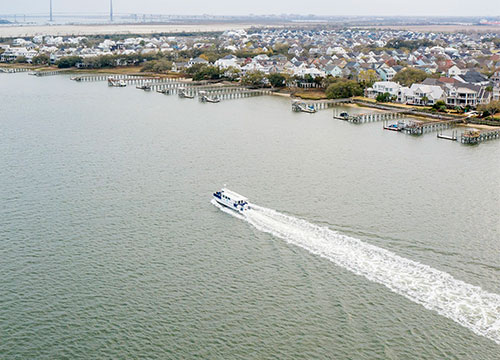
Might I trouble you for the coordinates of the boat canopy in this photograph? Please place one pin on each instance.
(234, 196)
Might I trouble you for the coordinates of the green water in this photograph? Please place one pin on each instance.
(110, 247)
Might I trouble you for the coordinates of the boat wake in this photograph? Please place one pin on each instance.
(466, 304)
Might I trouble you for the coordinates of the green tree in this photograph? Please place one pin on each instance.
(254, 78)
(20, 59)
(277, 80)
(344, 89)
(157, 66)
(409, 76)
(232, 73)
(207, 72)
(68, 61)
(424, 99)
(367, 77)
(385, 97)
(491, 108)
(42, 59)
(440, 106)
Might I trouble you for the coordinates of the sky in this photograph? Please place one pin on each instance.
(259, 7)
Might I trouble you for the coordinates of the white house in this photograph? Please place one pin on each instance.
(417, 94)
(382, 87)
(227, 61)
(197, 60)
(454, 70)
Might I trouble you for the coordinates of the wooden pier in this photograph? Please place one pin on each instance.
(477, 136)
(13, 70)
(419, 128)
(222, 92)
(364, 118)
(235, 93)
(48, 73)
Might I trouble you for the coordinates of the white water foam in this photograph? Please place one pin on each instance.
(468, 305)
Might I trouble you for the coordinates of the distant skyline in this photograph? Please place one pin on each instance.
(261, 7)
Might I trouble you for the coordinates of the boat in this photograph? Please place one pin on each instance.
(209, 99)
(183, 94)
(164, 91)
(116, 83)
(205, 98)
(231, 200)
(399, 126)
(145, 87)
(302, 107)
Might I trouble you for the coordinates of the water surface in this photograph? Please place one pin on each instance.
(111, 248)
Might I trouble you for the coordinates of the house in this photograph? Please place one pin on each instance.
(454, 70)
(467, 95)
(495, 96)
(495, 78)
(227, 61)
(472, 77)
(386, 73)
(382, 87)
(197, 60)
(421, 94)
(12, 53)
(333, 70)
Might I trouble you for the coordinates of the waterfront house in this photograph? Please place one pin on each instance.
(420, 94)
(382, 87)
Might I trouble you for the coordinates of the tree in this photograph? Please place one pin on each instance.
(409, 76)
(344, 89)
(491, 108)
(277, 80)
(367, 77)
(157, 66)
(281, 49)
(424, 99)
(20, 59)
(68, 61)
(440, 106)
(254, 78)
(408, 44)
(385, 97)
(207, 72)
(42, 59)
(232, 73)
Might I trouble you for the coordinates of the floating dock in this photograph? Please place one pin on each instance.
(452, 137)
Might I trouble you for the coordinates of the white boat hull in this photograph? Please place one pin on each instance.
(230, 205)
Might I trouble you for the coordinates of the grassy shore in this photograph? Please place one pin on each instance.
(315, 94)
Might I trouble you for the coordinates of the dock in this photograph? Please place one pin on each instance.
(473, 137)
(364, 118)
(452, 137)
(222, 92)
(419, 128)
(298, 106)
(13, 70)
(321, 104)
(48, 73)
